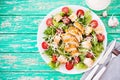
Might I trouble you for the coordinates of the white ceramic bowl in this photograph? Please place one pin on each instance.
(40, 39)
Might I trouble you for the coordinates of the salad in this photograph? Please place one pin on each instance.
(73, 39)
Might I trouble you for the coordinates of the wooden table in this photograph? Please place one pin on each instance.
(19, 56)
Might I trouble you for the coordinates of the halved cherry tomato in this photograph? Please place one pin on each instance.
(69, 65)
(65, 10)
(89, 55)
(45, 45)
(76, 59)
(80, 13)
(66, 20)
(100, 37)
(94, 23)
(54, 58)
(49, 22)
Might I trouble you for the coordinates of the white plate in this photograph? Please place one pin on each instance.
(43, 26)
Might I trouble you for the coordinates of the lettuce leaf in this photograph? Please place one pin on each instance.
(49, 51)
(50, 31)
(80, 66)
(87, 17)
(54, 65)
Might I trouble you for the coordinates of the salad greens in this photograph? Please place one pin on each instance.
(86, 19)
(62, 51)
(80, 66)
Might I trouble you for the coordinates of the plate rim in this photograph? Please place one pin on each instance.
(48, 15)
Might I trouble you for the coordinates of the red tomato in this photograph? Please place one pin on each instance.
(100, 37)
(44, 45)
(49, 22)
(69, 65)
(80, 12)
(65, 10)
(54, 58)
(89, 55)
(94, 23)
(76, 59)
(66, 20)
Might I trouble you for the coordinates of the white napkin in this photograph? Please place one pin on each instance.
(113, 68)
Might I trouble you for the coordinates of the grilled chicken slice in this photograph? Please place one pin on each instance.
(99, 30)
(62, 59)
(88, 62)
(79, 26)
(88, 30)
(73, 17)
(75, 32)
(57, 39)
(86, 44)
(75, 53)
(70, 48)
(57, 17)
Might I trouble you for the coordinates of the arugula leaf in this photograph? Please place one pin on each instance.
(97, 49)
(49, 51)
(50, 31)
(65, 27)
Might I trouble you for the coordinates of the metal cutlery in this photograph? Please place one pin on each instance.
(108, 51)
(99, 74)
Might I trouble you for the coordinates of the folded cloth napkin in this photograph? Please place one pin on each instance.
(113, 68)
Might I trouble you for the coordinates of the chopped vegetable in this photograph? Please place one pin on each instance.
(45, 45)
(49, 22)
(80, 13)
(69, 65)
(94, 23)
(49, 51)
(80, 66)
(71, 39)
(54, 65)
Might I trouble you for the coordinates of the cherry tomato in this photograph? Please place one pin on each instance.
(54, 58)
(69, 65)
(100, 37)
(94, 23)
(89, 55)
(65, 10)
(80, 12)
(45, 45)
(76, 59)
(66, 20)
(49, 22)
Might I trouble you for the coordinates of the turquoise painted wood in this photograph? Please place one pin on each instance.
(19, 20)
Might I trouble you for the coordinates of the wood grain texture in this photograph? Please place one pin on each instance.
(42, 7)
(37, 75)
(28, 43)
(19, 20)
(29, 24)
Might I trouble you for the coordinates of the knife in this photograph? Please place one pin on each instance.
(99, 74)
(91, 74)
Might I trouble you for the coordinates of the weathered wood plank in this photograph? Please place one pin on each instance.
(38, 76)
(28, 42)
(29, 24)
(42, 7)
(19, 24)
(22, 62)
